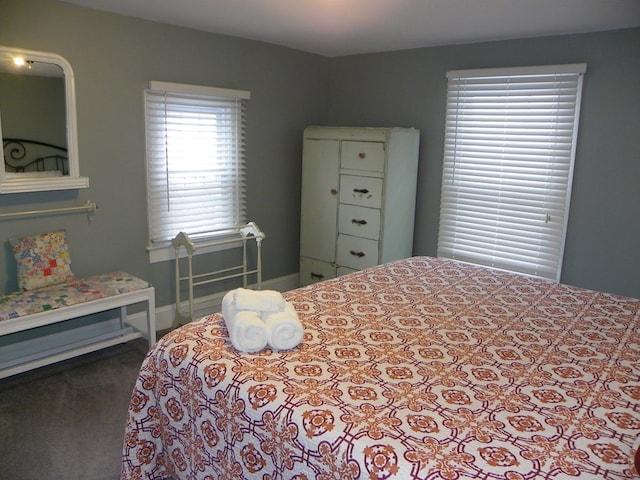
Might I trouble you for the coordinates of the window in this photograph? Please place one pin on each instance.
(195, 160)
(510, 138)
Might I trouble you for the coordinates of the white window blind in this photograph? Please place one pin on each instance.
(510, 138)
(195, 159)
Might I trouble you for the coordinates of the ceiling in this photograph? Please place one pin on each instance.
(344, 27)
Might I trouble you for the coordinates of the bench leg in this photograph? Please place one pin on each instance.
(123, 316)
(151, 317)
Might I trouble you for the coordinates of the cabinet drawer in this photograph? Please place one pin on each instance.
(362, 191)
(359, 221)
(356, 252)
(367, 156)
(312, 271)
(344, 270)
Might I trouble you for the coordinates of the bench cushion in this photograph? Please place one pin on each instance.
(72, 292)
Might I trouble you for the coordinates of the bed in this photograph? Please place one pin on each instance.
(422, 368)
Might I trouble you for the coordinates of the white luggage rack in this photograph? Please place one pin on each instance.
(242, 233)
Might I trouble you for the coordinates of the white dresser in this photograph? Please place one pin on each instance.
(358, 198)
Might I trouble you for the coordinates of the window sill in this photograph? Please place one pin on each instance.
(166, 252)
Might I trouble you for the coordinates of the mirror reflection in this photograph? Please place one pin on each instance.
(37, 122)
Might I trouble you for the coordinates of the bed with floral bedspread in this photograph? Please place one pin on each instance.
(422, 368)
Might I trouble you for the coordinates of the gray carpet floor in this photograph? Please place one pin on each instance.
(66, 421)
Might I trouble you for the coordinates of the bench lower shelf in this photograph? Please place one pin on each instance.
(40, 351)
(42, 358)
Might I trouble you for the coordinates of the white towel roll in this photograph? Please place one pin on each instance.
(284, 330)
(228, 303)
(263, 301)
(247, 331)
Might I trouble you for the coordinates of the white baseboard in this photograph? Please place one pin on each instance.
(165, 316)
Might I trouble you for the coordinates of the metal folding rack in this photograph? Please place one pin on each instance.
(244, 234)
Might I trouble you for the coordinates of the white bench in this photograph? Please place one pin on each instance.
(26, 311)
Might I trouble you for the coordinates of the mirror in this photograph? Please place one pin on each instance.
(37, 123)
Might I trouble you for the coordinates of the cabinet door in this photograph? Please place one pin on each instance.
(319, 208)
(312, 271)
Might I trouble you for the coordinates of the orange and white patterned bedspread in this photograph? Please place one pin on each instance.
(418, 369)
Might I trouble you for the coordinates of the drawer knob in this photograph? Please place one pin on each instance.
(360, 190)
(357, 254)
(358, 222)
(334, 191)
(362, 155)
(317, 276)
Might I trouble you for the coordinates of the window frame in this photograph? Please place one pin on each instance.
(477, 121)
(162, 250)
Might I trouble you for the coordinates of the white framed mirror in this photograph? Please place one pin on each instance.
(37, 123)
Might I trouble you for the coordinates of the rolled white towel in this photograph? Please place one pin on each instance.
(247, 331)
(263, 301)
(284, 329)
(228, 306)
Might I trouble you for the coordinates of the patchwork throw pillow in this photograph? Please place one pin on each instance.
(42, 259)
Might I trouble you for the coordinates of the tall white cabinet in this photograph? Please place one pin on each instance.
(358, 198)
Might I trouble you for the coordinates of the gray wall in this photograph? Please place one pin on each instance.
(408, 88)
(113, 57)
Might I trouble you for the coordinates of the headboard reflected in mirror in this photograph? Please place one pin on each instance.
(31, 156)
(37, 123)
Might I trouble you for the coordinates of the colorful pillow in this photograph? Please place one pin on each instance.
(42, 259)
